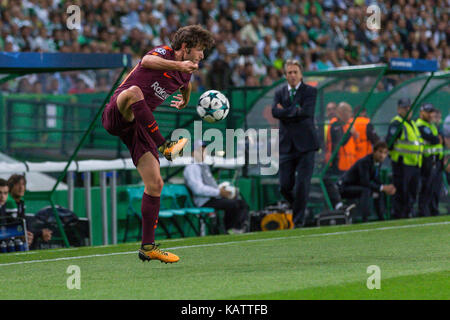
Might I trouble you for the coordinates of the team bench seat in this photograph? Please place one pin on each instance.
(182, 201)
(176, 201)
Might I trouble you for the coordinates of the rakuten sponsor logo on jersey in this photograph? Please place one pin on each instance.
(159, 91)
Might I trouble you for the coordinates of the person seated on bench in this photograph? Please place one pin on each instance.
(362, 181)
(5, 211)
(17, 185)
(206, 192)
(3, 197)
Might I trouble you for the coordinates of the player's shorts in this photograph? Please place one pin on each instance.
(137, 140)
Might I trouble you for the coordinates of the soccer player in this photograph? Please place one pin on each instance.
(129, 115)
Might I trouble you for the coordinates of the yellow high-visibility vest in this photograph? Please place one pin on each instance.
(409, 145)
(431, 149)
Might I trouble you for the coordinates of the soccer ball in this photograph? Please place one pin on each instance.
(229, 188)
(213, 106)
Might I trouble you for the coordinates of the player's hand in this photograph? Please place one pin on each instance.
(225, 193)
(389, 189)
(279, 106)
(178, 102)
(30, 237)
(188, 66)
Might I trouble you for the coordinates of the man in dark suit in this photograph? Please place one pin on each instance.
(363, 181)
(294, 105)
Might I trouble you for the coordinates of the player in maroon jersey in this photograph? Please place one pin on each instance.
(129, 115)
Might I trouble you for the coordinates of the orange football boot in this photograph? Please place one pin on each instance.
(152, 252)
(173, 149)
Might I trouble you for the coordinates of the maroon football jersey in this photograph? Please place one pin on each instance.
(156, 85)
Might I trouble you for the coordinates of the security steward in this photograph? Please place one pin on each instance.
(433, 153)
(438, 179)
(405, 150)
(346, 156)
(294, 105)
(366, 137)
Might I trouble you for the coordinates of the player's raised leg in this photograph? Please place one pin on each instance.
(132, 105)
(148, 168)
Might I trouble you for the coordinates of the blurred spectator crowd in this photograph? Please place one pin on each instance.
(253, 37)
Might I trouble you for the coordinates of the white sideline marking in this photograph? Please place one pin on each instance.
(235, 242)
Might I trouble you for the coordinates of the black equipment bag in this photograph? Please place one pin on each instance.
(333, 217)
(77, 230)
(67, 217)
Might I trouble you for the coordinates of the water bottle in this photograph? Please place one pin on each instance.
(3, 247)
(19, 245)
(11, 246)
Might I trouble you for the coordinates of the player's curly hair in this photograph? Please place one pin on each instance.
(194, 36)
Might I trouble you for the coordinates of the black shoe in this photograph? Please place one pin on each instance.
(301, 222)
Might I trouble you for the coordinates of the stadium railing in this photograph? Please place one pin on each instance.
(103, 222)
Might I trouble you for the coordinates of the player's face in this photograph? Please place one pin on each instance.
(193, 54)
(293, 74)
(426, 116)
(403, 111)
(198, 154)
(436, 117)
(3, 194)
(380, 154)
(331, 110)
(19, 189)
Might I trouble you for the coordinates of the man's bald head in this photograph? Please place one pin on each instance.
(344, 111)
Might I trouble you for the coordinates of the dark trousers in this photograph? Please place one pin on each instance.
(295, 179)
(332, 186)
(436, 186)
(236, 211)
(364, 195)
(427, 172)
(406, 182)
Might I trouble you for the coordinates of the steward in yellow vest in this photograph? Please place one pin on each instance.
(431, 165)
(406, 151)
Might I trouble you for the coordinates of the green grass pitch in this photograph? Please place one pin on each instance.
(313, 263)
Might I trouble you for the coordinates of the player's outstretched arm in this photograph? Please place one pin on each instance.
(158, 63)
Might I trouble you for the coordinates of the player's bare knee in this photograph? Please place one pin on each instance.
(134, 94)
(154, 187)
(159, 184)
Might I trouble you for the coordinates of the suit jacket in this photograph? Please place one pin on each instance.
(297, 130)
(363, 173)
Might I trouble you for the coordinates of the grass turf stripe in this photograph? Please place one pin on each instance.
(234, 242)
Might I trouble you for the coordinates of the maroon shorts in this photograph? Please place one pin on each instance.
(137, 140)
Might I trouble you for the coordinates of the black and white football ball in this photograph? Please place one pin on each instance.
(213, 106)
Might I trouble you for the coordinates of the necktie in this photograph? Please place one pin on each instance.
(292, 94)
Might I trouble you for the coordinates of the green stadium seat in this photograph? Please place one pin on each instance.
(135, 194)
(166, 213)
(184, 205)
